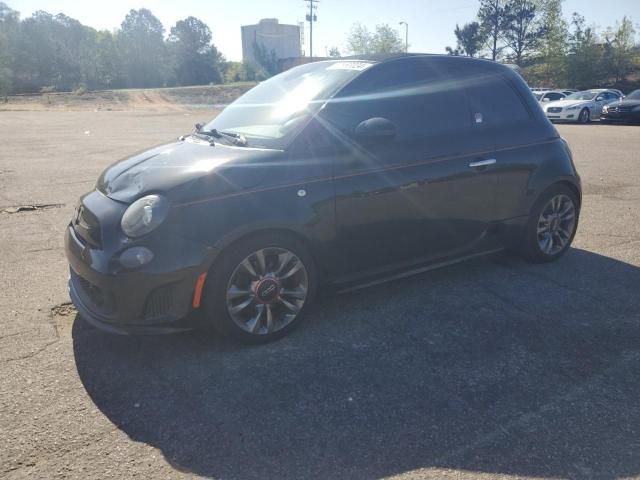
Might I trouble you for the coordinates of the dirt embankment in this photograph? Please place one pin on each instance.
(131, 99)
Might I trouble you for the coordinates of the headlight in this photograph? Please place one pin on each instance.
(144, 215)
(605, 109)
(575, 107)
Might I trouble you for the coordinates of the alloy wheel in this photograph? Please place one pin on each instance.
(584, 116)
(556, 224)
(267, 290)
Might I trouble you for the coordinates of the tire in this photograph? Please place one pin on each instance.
(585, 116)
(243, 274)
(535, 244)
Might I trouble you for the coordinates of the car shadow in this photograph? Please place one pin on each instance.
(489, 366)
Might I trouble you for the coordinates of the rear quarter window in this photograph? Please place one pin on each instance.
(497, 101)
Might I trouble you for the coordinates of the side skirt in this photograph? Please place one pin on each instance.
(416, 271)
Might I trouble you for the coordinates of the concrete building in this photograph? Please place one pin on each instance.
(283, 40)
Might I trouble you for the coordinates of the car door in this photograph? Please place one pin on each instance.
(425, 192)
(511, 124)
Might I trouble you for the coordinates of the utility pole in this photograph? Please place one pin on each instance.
(311, 17)
(406, 36)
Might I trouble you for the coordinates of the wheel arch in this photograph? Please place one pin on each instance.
(229, 241)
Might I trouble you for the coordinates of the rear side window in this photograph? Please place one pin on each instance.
(496, 101)
(408, 93)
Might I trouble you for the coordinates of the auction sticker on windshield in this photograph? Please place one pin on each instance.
(350, 66)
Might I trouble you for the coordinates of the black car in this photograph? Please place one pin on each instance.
(338, 174)
(627, 110)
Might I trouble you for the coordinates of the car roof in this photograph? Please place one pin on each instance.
(389, 57)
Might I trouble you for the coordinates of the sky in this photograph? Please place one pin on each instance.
(431, 22)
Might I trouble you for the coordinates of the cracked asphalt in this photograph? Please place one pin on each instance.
(489, 369)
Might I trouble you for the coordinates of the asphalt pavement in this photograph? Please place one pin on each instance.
(490, 369)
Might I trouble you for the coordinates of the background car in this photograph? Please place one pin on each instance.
(626, 110)
(549, 96)
(580, 106)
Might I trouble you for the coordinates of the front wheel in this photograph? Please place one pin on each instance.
(585, 116)
(261, 287)
(552, 225)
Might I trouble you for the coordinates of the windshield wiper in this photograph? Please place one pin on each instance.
(235, 138)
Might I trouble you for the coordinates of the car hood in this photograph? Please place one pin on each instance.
(627, 103)
(185, 170)
(568, 103)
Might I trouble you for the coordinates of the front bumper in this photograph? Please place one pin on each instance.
(154, 298)
(621, 117)
(563, 116)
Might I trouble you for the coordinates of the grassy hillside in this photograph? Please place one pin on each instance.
(131, 99)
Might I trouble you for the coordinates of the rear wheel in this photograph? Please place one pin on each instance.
(585, 116)
(260, 289)
(552, 225)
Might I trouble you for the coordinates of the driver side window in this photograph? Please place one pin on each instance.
(415, 100)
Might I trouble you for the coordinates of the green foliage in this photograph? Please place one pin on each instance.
(267, 62)
(385, 39)
(619, 43)
(523, 28)
(535, 35)
(196, 60)
(553, 42)
(469, 38)
(45, 51)
(141, 39)
(492, 17)
(334, 52)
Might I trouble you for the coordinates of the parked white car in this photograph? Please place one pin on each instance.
(580, 106)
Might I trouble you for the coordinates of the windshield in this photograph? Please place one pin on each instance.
(587, 95)
(635, 95)
(272, 113)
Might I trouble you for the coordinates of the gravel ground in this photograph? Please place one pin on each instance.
(489, 369)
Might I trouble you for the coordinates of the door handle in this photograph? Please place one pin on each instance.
(482, 163)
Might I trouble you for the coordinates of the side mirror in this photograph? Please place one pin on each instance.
(376, 129)
(599, 99)
(546, 99)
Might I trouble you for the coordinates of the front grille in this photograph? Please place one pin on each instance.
(97, 299)
(554, 109)
(162, 302)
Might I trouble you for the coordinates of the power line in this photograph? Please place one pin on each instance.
(311, 17)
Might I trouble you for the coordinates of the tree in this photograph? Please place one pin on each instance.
(470, 39)
(619, 45)
(141, 40)
(359, 41)
(553, 40)
(385, 39)
(334, 52)
(9, 24)
(522, 30)
(108, 68)
(267, 61)
(492, 18)
(584, 56)
(196, 61)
